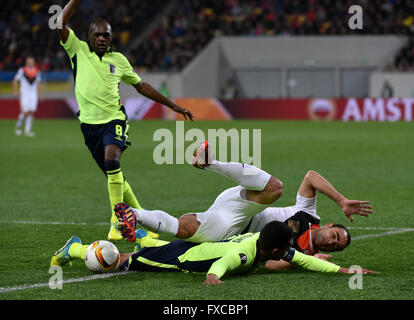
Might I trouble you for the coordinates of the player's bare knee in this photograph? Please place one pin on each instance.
(275, 189)
(309, 174)
(271, 193)
(187, 226)
(113, 153)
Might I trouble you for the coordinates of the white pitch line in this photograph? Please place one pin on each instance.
(54, 223)
(376, 235)
(375, 228)
(40, 285)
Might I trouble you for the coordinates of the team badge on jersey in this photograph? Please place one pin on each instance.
(112, 68)
(243, 258)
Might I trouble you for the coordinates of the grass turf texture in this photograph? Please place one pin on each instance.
(52, 178)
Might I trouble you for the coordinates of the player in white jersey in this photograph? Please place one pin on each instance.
(29, 78)
(246, 207)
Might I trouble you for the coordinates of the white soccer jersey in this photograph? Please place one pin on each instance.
(283, 214)
(229, 215)
(232, 214)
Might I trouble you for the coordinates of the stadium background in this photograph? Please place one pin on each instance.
(243, 63)
(215, 51)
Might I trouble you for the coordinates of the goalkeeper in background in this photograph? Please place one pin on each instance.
(97, 71)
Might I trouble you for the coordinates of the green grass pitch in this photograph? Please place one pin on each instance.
(51, 189)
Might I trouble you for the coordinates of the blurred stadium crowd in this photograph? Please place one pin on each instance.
(187, 29)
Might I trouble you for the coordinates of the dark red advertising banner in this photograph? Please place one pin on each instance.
(368, 109)
(10, 108)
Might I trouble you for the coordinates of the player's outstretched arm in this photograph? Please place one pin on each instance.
(212, 279)
(64, 19)
(148, 91)
(314, 264)
(219, 268)
(314, 182)
(15, 87)
(352, 271)
(281, 265)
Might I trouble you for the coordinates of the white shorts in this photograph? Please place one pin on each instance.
(229, 215)
(28, 103)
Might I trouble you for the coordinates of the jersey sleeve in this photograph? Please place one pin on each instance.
(72, 44)
(309, 262)
(226, 264)
(39, 77)
(129, 76)
(307, 205)
(19, 75)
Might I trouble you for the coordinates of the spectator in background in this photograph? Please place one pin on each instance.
(188, 28)
(387, 90)
(229, 90)
(29, 79)
(164, 89)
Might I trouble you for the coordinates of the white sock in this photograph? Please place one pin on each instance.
(248, 176)
(20, 120)
(157, 221)
(28, 124)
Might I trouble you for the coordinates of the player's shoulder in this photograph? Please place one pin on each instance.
(245, 236)
(74, 37)
(303, 216)
(120, 57)
(247, 241)
(19, 73)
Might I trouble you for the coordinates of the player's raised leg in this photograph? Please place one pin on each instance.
(156, 221)
(261, 187)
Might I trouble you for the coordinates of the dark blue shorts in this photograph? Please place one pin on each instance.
(98, 136)
(165, 259)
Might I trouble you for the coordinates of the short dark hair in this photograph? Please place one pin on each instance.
(348, 235)
(274, 235)
(96, 21)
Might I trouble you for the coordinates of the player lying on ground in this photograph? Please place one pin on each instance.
(236, 255)
(97, 71)
(245, 208)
